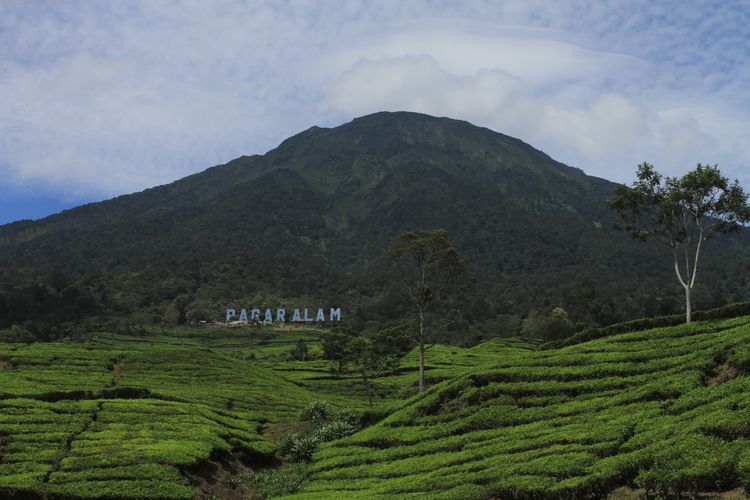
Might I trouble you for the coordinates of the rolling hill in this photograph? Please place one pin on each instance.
(204, 413)
(153, 415)
(665, 411)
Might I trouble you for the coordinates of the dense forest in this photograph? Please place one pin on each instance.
(309, 223)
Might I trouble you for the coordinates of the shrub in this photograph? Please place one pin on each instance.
(315, 412)
(285, 445)
(726, 312)
(278, 482)
(302, 448)
(348, 417)
(730, 311)
(336, 430)
(121, 489)
(689, 464)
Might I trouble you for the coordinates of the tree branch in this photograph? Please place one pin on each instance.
(677, 266)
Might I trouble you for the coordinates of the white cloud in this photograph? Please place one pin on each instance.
(464, 48)
(100, 99)
(125, 100)
(609, 125)
(602, 111)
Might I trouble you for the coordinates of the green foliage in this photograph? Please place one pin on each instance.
(682, 213)
(315, 412)
(299, 353)
(537, 234)
(336, 348)
(277, 482)
(691, 463)
(335, 430)
(302, 447)
(431, 276)
(347, 417)
(501, 419)
(573, 422)
(98, 420)
(427, 268)
(299, 447)
(122, 489)
(726, 312)
(557, 325)
(286, 443)
(368, 354)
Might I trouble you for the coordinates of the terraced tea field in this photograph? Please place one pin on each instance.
(664, 410)
(122, 418)
(130, 416)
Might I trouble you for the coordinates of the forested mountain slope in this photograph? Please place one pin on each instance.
(310, 220)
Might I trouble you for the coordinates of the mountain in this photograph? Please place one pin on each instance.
(308, 223)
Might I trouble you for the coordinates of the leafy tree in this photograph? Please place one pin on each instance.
(391, 343)
(335, 348)
(300, 352)
(366, 359)
(428, 271)
(553, 326)
(369, 355)
(177, 313)
(682, 213)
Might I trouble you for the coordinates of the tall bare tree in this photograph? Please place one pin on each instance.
(428, 271)
(683, 213)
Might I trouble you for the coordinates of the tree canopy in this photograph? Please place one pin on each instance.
(428, 271)
(681, 213)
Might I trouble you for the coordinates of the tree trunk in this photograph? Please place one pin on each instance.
(421, 351)
(686, 284)
(366, 381)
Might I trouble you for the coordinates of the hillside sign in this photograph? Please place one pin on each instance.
(299, 315)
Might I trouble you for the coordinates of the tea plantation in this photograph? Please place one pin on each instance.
(665, 412)
(122, 417)
(125, 416)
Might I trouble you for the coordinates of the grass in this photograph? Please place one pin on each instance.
(664, 411)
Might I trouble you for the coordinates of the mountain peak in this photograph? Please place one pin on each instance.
(390, 131)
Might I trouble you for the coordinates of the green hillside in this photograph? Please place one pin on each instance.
(310, 220)
(665, 410)
(122, 416)
(194, 413)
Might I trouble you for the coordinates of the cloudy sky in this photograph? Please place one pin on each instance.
(103, 98)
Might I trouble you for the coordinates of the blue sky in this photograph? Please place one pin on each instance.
(103, 98)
